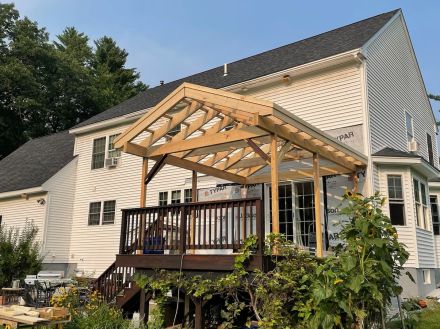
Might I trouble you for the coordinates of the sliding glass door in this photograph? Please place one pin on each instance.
(296, 212)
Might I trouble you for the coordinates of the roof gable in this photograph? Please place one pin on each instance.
(35, 162)
(321, 46)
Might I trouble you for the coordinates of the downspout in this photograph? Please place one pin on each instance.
(45, 223)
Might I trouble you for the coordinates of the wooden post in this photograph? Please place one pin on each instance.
(274, 185)
(198, 320)
(355, 179)
(192, 230)
(142, 203)
(317, 193)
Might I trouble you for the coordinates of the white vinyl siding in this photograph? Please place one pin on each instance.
(395, 87)
(19, 210)
(328, 100)
(61, 196)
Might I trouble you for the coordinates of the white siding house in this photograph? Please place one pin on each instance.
(360, 84)
(38, 187)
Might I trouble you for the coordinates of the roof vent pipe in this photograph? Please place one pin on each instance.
(225, 70)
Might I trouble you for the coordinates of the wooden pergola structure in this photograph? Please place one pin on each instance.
(238, 138)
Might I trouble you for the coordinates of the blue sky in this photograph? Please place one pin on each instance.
(169, 39)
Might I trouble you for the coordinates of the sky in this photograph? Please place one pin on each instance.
(170, 39)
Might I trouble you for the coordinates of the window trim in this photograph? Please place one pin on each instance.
(107, 150)
(437, 222)
(421, 207)
(396, 201)
(169, 195)
(92, 165)
(101, 213)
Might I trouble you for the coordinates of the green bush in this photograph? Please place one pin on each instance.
(19, 253)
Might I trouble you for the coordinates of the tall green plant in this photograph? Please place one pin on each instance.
(19, 253)
(357, 284)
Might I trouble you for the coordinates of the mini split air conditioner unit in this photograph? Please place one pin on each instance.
(111, 162)
(413, 146)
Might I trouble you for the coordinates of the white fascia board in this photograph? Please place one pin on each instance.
(435, 185)
(416, 163)
(28, 191)
(352, 56)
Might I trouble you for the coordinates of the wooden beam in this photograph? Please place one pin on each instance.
(284, 149)
(274, 183)
(233, 159)
(150, 117)
(194, 126)
(156, 168)
(186, 164)
(257, 161)
(317, 199)
(134, 149)
(206, 140)
(285, 133)
(172, 123)
(257, 150)
(295, 174)
(142, 203)
(294, 121)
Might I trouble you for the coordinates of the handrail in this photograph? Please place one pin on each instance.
(112, 281)
(220, 224)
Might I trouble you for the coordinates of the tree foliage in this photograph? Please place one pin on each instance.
(46, 87)
(435, 98)
(19, 253)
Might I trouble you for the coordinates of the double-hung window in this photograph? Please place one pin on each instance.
(111, 151)
(104, 148)
(187, 197)
(430, 152)
(163, 198)
(395, 200)
(435, 214)
(98, 155)
(421, 204)
(176, 196)
(102, 213)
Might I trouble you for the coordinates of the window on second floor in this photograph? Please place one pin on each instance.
(112, 152)
(435, 215)
(98, 154)
(409, 127)
(103, 148)
(395, 200)
(430, 152)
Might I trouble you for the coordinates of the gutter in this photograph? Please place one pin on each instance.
(417, 163)
(354, 56)
(22, 193)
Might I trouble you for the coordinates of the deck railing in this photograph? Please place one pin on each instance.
(176, 228)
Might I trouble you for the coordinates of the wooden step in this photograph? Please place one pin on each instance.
(128, 294)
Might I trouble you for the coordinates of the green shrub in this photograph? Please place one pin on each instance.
(19, 253)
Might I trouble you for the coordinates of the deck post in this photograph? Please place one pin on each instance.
(198, 320)
(317, 201)
(140, 249)
(274, 183)
(192, 230)
(355, 179)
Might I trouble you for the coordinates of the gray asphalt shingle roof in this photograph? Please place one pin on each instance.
(390, 152)
(321, 46)
(35, 162)
(39, 159)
